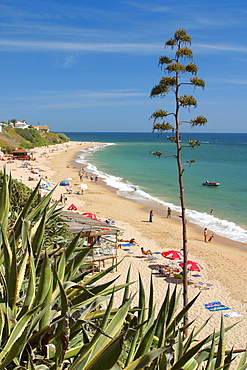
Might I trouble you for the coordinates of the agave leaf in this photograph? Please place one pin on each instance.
(126, 293)
(242, 363)
(112, 328)
(135, 339)
(4, 203)
(92, 292)
(16, 231)
(207, 353)
(146, 342)
(37, 235)
(143, 361)
(228, 360)
(188, 355)
(30, 292)
(151, 298)
(106, 357)
(85, 350)
(41, 207)
(62, 339)
(2, 322)
(162, 319)
(17, 331)
(61, 267)
(172, 325)
(221, 346)
(6, 251)
(15, 350)
(178, 347)
(172, 306)
(12, 281)
(191, 365)
(142, 301)
(25, 233)
(194, 333)
(47, 303)
(71, 247)
(21, 274)
(44, 281)
(74, 264)
(99, 275)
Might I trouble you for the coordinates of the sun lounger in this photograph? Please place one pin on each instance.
(150, 257)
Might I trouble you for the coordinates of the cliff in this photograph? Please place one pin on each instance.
(12, 138)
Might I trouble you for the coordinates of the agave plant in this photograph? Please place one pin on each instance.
(54, 314)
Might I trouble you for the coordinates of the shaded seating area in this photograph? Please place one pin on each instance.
(102, 236)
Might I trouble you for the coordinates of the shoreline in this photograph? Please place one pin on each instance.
(223, 266)
(161, 211)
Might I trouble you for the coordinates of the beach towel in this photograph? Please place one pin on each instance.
(211, 304)
(218, 308)
(127, 245)
(232, 314)
(215, 306)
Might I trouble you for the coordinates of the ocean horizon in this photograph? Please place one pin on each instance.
(124, 163)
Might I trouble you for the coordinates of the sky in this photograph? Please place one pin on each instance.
(89, 65)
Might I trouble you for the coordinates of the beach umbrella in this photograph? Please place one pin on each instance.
(43, 182)
(72, 207)
(91, 215)
(172, 255)
(64, 183)
(192, 266)
(68, 178)
(83, 187)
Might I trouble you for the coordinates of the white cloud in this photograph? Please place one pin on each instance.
(32, 45)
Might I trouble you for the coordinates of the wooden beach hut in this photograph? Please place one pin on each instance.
(104, 236)
(21, 154)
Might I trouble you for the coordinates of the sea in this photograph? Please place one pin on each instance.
(125, 162)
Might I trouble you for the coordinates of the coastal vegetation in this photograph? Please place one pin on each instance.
(56, 314)
(13, 137)
(175, 69)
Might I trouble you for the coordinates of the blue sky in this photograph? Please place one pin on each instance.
(90, 65)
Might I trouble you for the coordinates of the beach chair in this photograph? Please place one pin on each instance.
(150, 257)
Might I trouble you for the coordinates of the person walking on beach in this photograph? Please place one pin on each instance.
(151, 215)
(210, 238)
(205, 233)
(61, 198)
(169, 212)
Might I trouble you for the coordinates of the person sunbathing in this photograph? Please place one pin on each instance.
(146, 252)
(131, 241)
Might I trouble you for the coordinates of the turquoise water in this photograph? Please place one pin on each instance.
(129, 167)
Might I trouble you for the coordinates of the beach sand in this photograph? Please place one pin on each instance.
(224, 262)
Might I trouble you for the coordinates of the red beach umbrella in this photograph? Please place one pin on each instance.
(91, 215)
(172, 255)
(72, 207)
(192, 266)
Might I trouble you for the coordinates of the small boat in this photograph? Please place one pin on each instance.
(209, 183)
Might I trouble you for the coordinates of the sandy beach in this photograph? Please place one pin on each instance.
(224, 262)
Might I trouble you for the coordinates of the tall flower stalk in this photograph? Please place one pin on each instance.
(175, 70)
